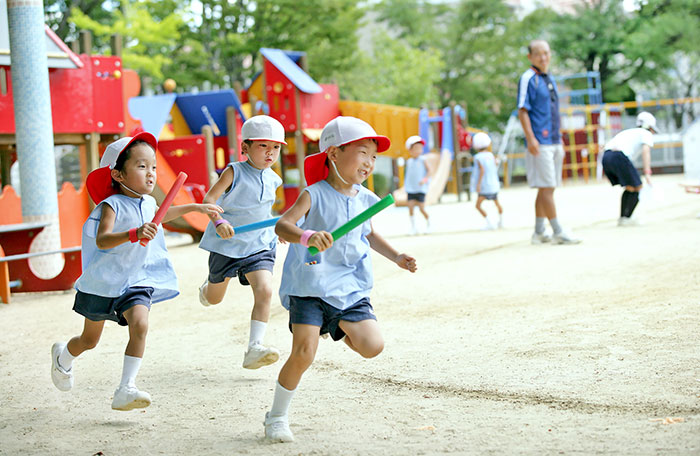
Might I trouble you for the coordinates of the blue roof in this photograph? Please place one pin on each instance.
(283, 62)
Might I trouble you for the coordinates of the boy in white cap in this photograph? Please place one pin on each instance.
(617, 163)
(484, 181)
(416, 180)
(246, 191)
(121, 278)
(329, 292)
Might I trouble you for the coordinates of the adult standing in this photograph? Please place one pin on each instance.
(538, 111)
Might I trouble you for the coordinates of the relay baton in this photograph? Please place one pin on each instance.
(359, 219)
(255, 226)
(167, 201)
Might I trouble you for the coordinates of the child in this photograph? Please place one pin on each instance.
(484, 180)
(121, 278)
(416, 180)
(617, 163)
(246, 192)
(329, 292)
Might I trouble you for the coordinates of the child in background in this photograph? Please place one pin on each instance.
(617, 163)
(121, 278)
(329, 292)
(484, 181)
(246, 191)
(416, 180)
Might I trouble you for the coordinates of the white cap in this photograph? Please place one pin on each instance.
(263, 128)
(344, 130)
(646, 120)
(415, 139)
(480, 141)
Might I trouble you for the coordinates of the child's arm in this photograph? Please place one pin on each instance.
(429, 170)
(224, 230)
(381, 246)
(212, 210)
(106, 239)
(287, 229)
(481, 177)
(646, 162)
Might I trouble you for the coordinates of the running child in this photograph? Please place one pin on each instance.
(329, 292)
(417, 180)
(246, 192)
(121, 278)
(617, 163)
(484, 181)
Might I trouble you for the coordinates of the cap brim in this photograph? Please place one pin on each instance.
(383, 143)
(144, 136)
(315, 168)
(99, 184)
(266, 139)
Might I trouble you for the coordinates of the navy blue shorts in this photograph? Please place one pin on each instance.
(489, 196)
(100, 308)
(619, 169)
(317, 312)
(221, 266)
(420, 197)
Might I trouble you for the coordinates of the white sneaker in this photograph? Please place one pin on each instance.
(627, 221)
(564, 238)
(538, 238)
(202, 298)
(500, 223)
(488, 226)
(258, 356)
(277, 429)
(62, 379)
(129, 398)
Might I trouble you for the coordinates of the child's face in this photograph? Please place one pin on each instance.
(416, 150)
(262, 154)
(139, 171)
(355, 162)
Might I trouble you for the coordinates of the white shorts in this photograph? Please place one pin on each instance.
(544, 170)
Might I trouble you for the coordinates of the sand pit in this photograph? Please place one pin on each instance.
(494, 346)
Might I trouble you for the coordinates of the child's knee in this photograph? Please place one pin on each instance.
(372, 349)
(139, 327)
(303, 355)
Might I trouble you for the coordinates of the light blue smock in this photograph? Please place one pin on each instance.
(342, 274)
(416, 171)
(249, 200)
(110, 272)
(490, 183)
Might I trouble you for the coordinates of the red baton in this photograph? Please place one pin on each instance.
(167, 201)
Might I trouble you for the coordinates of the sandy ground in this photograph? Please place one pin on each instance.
(494, 346)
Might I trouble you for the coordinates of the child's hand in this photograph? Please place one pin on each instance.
(209, 209)
(406, 262)
(322, 240)
(147, 231)
(225, 231)
(280, 240)
(424, 181)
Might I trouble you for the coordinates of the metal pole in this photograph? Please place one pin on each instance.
(34, 129)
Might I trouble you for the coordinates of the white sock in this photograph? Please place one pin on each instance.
(413, 221)
(280, 404)
(257, 332)
(65, 359)
(131, 368)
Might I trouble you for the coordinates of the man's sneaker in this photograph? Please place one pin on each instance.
(258, 356)
(627, 221)
(129, 398)
(277, 429)
(203, 299)
(564, 238)
(62, 379)
(540, 238)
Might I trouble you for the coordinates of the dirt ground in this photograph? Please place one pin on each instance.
(495, 346)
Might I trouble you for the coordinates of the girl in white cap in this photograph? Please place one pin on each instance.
(329, 292)
(121, 278)
(417, 180)
(246, 191)
(617, 163)
(484, 181)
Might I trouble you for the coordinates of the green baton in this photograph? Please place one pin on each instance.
(359, 219)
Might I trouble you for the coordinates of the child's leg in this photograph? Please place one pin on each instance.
(363, 336)
(214, 292)
(498, 206)
(411, 205)
(304, 346)
(257, 354)
(92, 330)
(127, 396)
(421, 207)
(479, 200)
